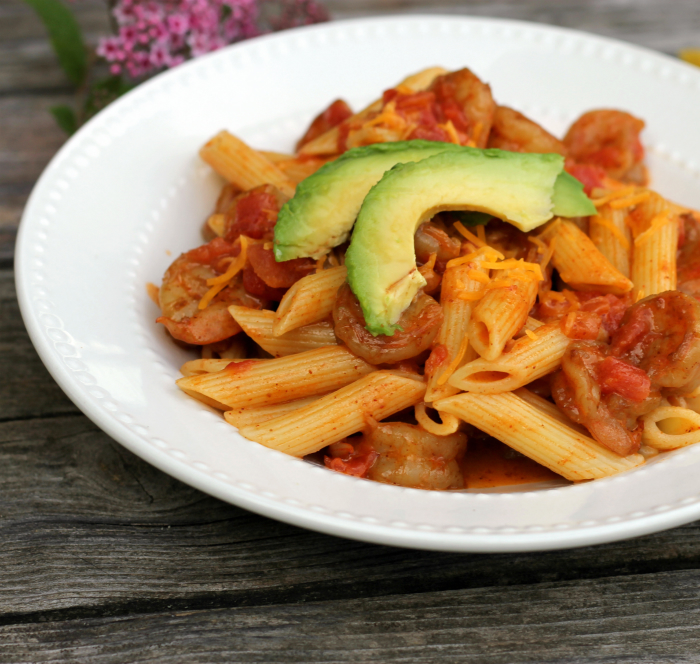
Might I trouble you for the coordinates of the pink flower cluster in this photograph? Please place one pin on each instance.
(157, 34)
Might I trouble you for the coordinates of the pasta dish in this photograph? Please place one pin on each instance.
(436, 292)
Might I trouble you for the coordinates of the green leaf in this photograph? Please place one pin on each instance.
(65, 35)
(473, 218)
(103, 92)
(65, 117)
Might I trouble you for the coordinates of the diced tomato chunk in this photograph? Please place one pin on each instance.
(629, 339)
(254, 285)
(611, 308)
(624, 379)
(331, 117)
(274, 274)
(438, 357)
(254, 214)
(241, 367)
(583, 325)
(591, 176)
(351, 459)
(212, 252)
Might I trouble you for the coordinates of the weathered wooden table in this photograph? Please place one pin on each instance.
(103, 558)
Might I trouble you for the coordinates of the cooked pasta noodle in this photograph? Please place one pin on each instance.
(576, 344)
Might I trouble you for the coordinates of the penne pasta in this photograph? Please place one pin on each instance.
(579, 262)
(265, 382)
(612, 237)
(327, 144)
(258, 325)
(500, 313)
(296, 168)
(204, 366)
(548, 408)
(309, 300)
(655, 243)
(238, 163)
(538, 435)
(241, 417)
(339, 414)
(528, 360)
(453, 335)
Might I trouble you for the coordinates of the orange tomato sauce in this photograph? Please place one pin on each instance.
(489, 463)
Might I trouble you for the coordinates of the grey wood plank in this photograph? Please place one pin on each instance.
(90, 530)
(29, 137)
(665, 26)
(27, 389)
(641, 619)
(26, 61)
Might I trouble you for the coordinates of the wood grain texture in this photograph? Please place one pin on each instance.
(665, 26)
(26, 389)
(630, 619)
(103, 558)
(90, 530)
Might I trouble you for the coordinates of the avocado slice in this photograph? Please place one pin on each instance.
(524, 189)
(326, 204)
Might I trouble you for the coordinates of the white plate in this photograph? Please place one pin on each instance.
(127, 193)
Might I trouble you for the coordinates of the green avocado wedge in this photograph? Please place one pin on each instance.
(524, 189)
(326, 204)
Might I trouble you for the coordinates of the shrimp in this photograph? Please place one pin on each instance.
(688, 266)
(184, 285)
(612, 418)
(609, 139)
(420, 323)
(430, 239)
(456, 108)
(661, 335)
(514, 132)
(410, 456)
(252, 213)
(655, 353)
(467, 102)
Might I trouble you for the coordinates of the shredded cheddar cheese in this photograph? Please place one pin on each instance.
(613, 195)
(658, 222)
(541, 246)
(567, 324)
(388, 117)
(513, 264)
(450, 130)
(630, 201)
(532, 335)
(606, 223)
(572, 299)
(476, 134)
(556, 295)
(499, 283)
(219, 283)
(488, 252)
(468, 235)
(464, 344)
(481, 277)
(481, 233)
(320, 263)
